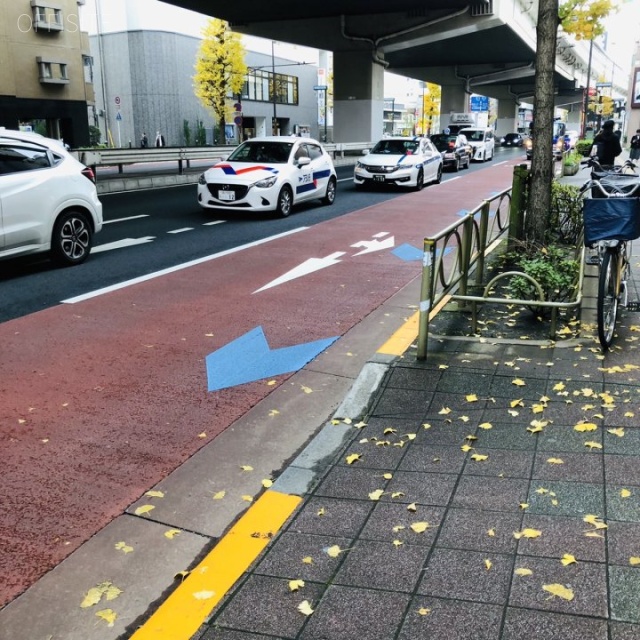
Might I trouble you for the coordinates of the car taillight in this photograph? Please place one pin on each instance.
(87, 172)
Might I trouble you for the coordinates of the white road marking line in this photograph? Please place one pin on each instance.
(125, 219)
(181, 230)
(179, 267)
(120, 244)
(208, 224)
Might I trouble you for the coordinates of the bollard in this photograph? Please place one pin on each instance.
(426, 298)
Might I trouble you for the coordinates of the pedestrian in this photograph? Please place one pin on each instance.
(607, 144)
(634, 152)
(144, 141)
(159, 139)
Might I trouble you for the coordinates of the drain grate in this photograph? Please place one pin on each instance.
(633, 306)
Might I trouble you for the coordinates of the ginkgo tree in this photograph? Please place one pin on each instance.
(584, 20)
(220, 69)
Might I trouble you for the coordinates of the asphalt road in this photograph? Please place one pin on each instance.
(151, 230)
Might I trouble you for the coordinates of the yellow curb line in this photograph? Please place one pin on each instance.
(406, 335)
(185, 610)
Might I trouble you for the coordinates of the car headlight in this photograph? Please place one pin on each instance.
(359, 165)
(266, 183)
(202, 179)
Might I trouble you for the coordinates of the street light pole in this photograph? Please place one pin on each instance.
(274, 124)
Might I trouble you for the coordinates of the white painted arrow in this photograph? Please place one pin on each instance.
(120, 244)
(307, 267)
(374, 245)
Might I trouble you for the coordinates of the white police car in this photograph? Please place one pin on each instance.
(405, 162)
(269, 174)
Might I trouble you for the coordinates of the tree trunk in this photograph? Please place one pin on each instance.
(543, 112)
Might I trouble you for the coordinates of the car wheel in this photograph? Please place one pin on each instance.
(330, 195)
(456, 166)
(420, 180)
(468, 165)
(72, 238)
(438, 179)
(285, 200)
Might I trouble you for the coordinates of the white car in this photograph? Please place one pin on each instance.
(48, 200)
(482, 141)
(406, 162)
(269, 174)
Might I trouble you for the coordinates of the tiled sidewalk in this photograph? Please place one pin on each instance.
(519, 406)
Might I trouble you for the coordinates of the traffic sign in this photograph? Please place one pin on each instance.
(320, 87)
(119, 116)
(117, 100)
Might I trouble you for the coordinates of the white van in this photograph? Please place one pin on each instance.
(482, 141)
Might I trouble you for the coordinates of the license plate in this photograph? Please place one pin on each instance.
(226, 195)
(378, 178)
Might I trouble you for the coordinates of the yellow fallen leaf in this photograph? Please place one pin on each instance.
(485, 425)
(108, 615)
(419, 527)
(491, 533)
(397, 494)
(444, 411)
(202, 435)
(321, 511)
(634, 561)
(306, 389)
(625, 493)
(410, 436)
(559, 386)
(522, 571)
(144, 509)
(124, 547)
(376, 495)
(516, 403)
(629, 414)
(111, 592)
(472, 397)
(247, 498)
(93, 596)
(558, 590)
(593, 534)
(513, 413)
(479, 457)
(246, 467)
(617, 432)
(334, 551)
(568, 559)
(585, 426)
(305, 608)
(387, 476)
(488, 564)
(518, 382)
(360, 425)
(347, 420)
(423, 611)
(594, 520)
(397, 543)
(555, 460)
(593, 445)
(270, 383)
(273, 413)
(426, 425)
(353, 458)
(155, 494)
(398, 527)
(182, 575)
(524, 505)
(294, 585)
(204, 595)
(389, 431)
(527, 533)
(412, 507)
(267, 482)
(172, 533)
(219, 495)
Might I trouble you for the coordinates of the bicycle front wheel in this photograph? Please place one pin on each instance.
(608, 287)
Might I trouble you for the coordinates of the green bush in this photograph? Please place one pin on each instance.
(572, 158)
(583, 147)
(554, 268)
(186, 130)
(94, 136)
(565, 216)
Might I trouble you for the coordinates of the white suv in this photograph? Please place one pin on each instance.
(48, 200)
(481, 140)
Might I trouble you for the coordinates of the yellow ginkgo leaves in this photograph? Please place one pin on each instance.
(294, 585)
(105, 589)
(558, 590)
(144, 510)
(584, 427)
(354, 457)
(108, 615)
(568, 559)
(124, 547)
(419, 527)
(376, 495)
(527, 533)
(305, 608)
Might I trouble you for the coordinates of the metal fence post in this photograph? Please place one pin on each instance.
(482, 240)
(518, 204)
(426, 298)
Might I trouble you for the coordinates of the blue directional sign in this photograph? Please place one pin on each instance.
(479, 103)
(249, 358)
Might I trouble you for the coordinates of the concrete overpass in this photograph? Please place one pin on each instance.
(466, 46)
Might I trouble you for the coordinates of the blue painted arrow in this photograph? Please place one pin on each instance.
(409, 253)
(249, 358)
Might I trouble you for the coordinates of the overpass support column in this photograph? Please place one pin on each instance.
(454, 100)
(358, 97)
(507, 121)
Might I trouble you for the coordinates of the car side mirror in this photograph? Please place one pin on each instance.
(365, 152)
(304, 161)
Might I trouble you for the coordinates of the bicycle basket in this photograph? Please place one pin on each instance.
(611, 219)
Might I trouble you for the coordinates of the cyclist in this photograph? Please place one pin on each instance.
(607, 144)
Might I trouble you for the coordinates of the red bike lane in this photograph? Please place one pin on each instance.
(103, 398)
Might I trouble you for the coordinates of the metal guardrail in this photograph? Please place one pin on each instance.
(184, 155)
(472, 238)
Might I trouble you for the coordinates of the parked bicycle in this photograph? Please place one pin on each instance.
(611, 220)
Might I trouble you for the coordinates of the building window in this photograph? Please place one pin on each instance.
(87, 63)
(47, 16)
(52, 71)
(265, 86)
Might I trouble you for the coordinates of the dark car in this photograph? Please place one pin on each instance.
(455, 150)
(512, 140)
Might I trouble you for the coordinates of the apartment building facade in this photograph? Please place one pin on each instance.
(45, 69)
